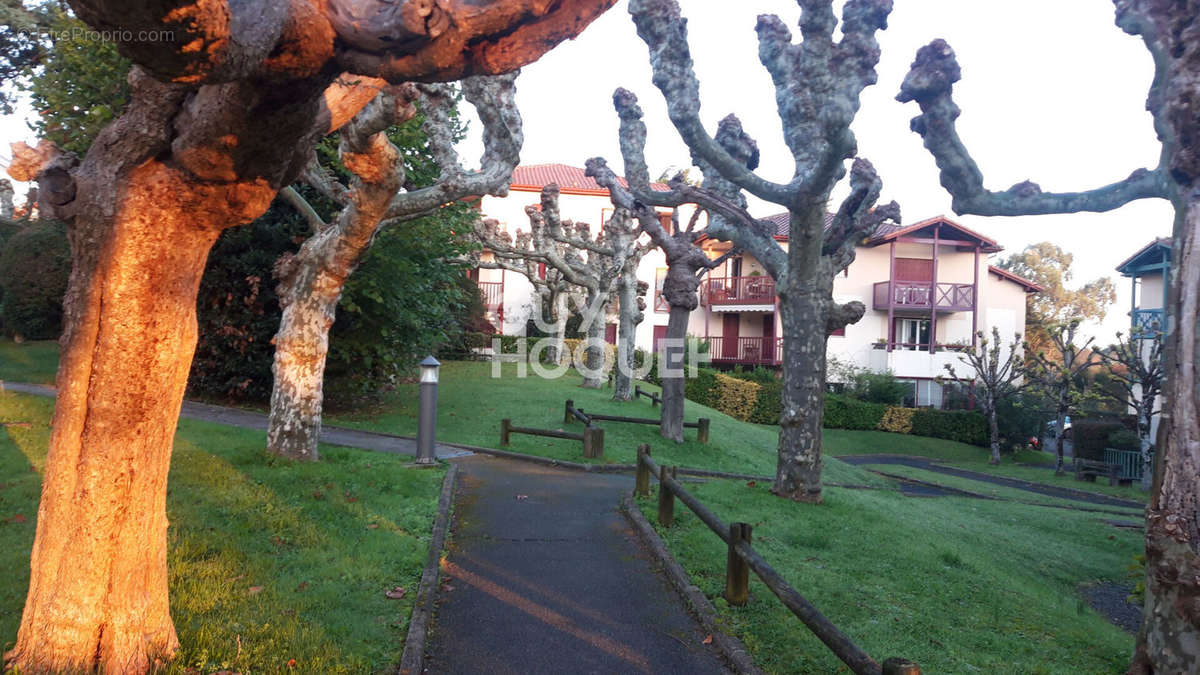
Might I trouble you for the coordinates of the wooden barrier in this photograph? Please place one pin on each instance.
(655, 401)
(742, 558)
(592, 437)
(570, 413)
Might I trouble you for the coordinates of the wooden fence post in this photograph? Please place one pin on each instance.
(899, 666)
(641, 484)
(666, 500)
(593, 442)
(702, 430)
(505, 425)
(737, 572)
(567, 416)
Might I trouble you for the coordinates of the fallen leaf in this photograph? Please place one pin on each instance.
(303, 585)
(19, 518)
(318, 495)
(291, 663)
(447, 587)
(751, 483)
(373, 526)
(708, 639)
(396, 593)
(521, 497)
(351, 500)
(255, 590)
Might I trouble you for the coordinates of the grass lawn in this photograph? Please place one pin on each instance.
(33, 362)
(471, 404)
(957, 585)
(267, 563)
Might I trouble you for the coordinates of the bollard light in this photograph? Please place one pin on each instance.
(427, 411)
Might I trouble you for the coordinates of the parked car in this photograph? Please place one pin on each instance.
(1052, 427)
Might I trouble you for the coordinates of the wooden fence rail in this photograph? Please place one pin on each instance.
(743, 557)
(570, 412)
(655, 400)
(592, 437)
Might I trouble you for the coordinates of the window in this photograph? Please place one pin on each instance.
(665, 220)
(660, 303)
(841, 332)
(541, 270)
(735, 266)
(912, 334)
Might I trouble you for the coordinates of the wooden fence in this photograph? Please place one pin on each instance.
(592, 437)
(742, 558)
(655, 401)
(570, 413)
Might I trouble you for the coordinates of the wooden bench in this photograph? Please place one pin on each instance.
(1089, 469)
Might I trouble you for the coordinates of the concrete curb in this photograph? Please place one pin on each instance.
(412, 661)
(731, 647)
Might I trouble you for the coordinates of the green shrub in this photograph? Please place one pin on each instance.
(843, 412)
(1091, 437)
(881, 388)
(964, 426)
(1019, 418)
(34, 267)
(759, 374)
(1124, 439)
(769, 405)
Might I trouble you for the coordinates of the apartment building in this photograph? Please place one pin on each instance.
(928, 289)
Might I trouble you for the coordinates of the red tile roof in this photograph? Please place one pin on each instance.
(889, 232)
(1030, 287)
(570, 180)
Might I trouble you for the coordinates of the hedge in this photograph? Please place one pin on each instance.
(1091, 437)
(34, 266)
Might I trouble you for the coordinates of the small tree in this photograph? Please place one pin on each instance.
(1136, 368)
(1058, 373)
(997, 375)
(311, 281)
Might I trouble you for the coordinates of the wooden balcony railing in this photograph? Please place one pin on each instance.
(1147, 323)
(738, 291)
(947, 297)
(493, 294)
(766, 351)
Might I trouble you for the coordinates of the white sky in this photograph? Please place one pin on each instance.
(1052, 91)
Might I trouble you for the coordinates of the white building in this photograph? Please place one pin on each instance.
(928, 289)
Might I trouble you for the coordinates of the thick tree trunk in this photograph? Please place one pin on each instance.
(671, 368)
(98, 586)
(301, 346)
(1169, 640)
(593, 355)
(629, 316)
(798, 469)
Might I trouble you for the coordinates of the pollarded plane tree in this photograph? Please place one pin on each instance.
(597, 264)
(687, 263)
(225, 109)
(1169, 639)
(817, 83)
(312, 280)
(501, 251)
(1136, 365)
(998, 371)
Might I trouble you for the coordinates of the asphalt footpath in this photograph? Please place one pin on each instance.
(543, 574)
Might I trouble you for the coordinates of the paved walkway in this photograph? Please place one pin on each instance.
(544, 575)
(249, 419)
(1029, 486)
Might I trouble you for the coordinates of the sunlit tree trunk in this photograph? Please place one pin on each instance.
(629, 313)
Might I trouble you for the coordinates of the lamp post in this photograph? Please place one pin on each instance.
(427, 411)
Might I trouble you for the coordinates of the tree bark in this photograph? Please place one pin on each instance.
(1060, 439)
(993, 429)
(98, 586)
(672, 375)
(1169, 639)
(804, 302)
(1145, 417)
(629, 312)
(593, 355)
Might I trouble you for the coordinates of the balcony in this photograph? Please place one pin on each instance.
(758, 351)
(1147, 323)
(738, 291)
(923, 295)
(492, 293)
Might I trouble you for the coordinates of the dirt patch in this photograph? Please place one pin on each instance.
(1112, 602)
